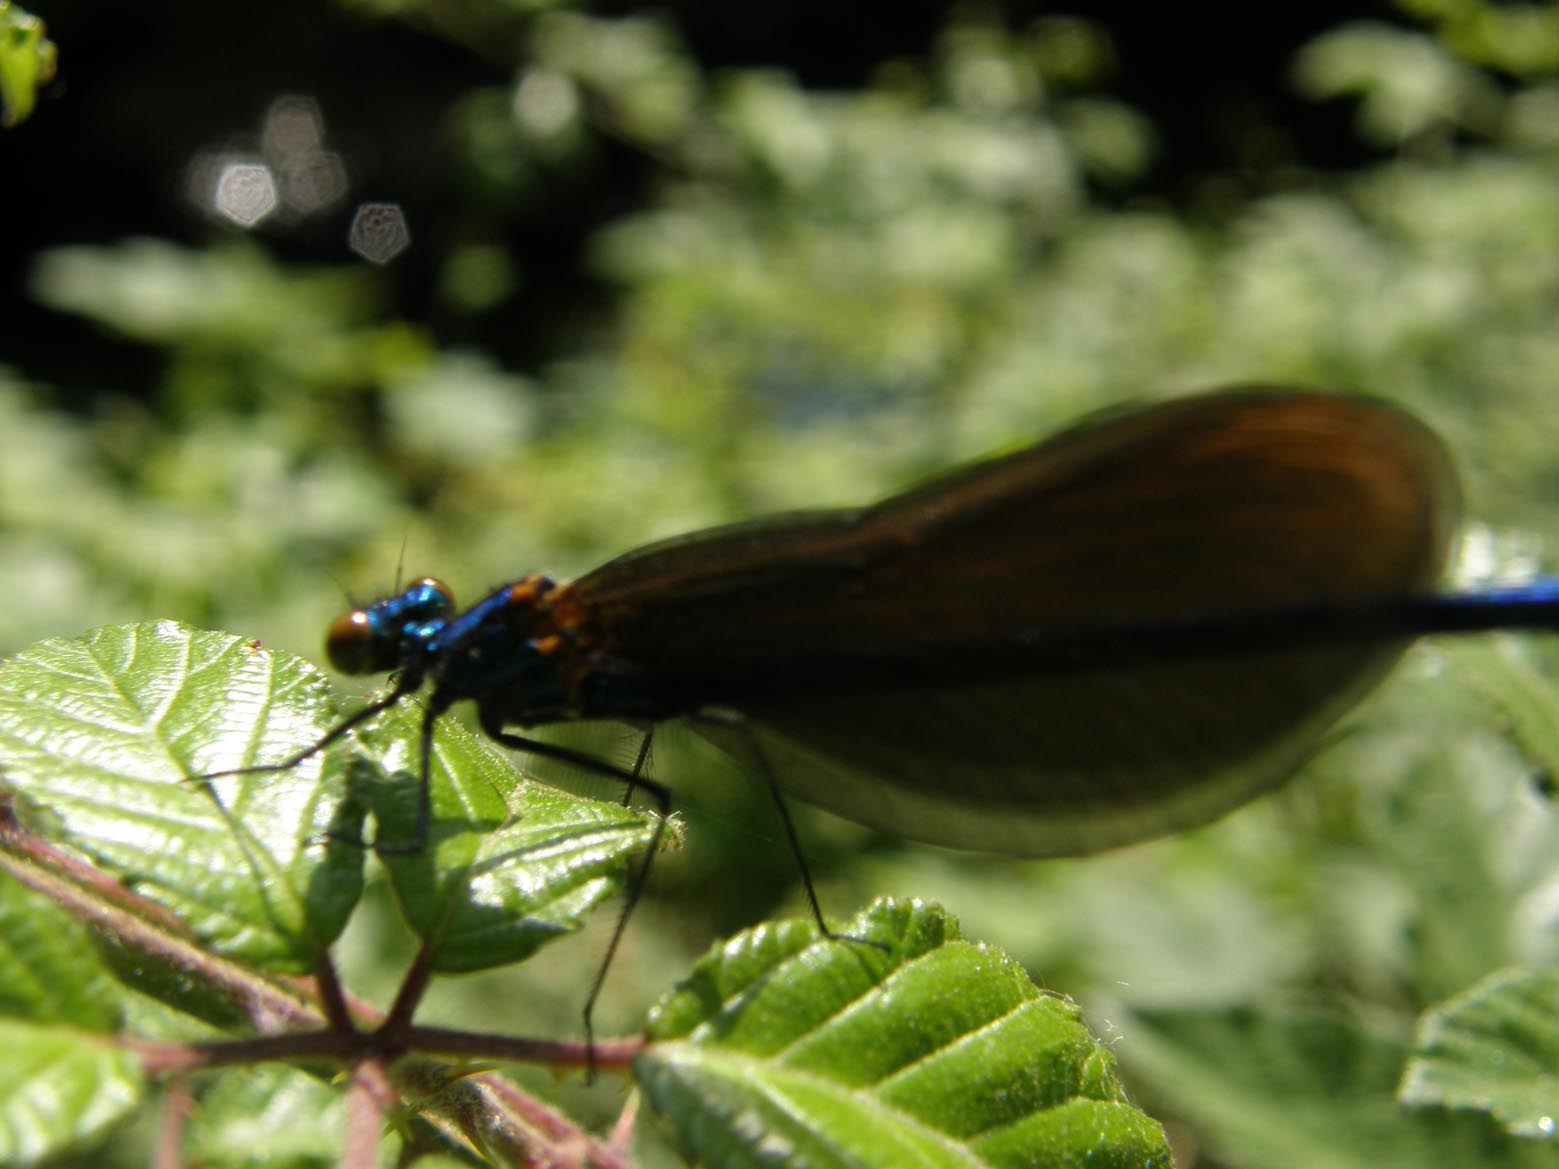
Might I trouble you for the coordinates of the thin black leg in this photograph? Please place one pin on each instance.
(736, 721)
(403, 686)
(792, 837)
(637, 880)
(419, 836)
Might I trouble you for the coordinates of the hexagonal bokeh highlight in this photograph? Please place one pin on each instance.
(293, 124)
(312, 180)
(245, 192)
(379, 232)
(281, 175)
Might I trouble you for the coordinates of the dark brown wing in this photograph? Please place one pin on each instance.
(1227, 503)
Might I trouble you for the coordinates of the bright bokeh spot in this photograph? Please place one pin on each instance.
(546, 103)
(284, 173)
(379, 232)
(245, 192)
(309, 177)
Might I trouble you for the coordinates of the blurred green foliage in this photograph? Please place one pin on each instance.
(27, 60)
(821, 297)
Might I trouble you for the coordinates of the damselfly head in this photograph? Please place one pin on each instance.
(375, 639)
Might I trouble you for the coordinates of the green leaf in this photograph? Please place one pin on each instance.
(1494, 1048)
(510, 863)
(1279, 1089)
(48, 972)
(100, 735)
(783, 1047)
(59, 1088)
(26, 62)
(1407, 81)
(272, 1116)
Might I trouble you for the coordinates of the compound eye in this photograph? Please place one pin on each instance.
(350, 644)
(442, 597)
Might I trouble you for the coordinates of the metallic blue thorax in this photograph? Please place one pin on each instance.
(526, 654)
(495, 648)
(502, 651)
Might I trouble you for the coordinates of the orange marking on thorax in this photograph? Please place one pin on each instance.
(531, 590)
(571, 617)
(574, 642)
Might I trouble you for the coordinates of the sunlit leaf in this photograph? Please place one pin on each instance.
(510, 863)
(102, 736)
(783, 1047)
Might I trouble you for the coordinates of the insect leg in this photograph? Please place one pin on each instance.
(419, 837)
(736, 721)
(634, 780)
(404, 685)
